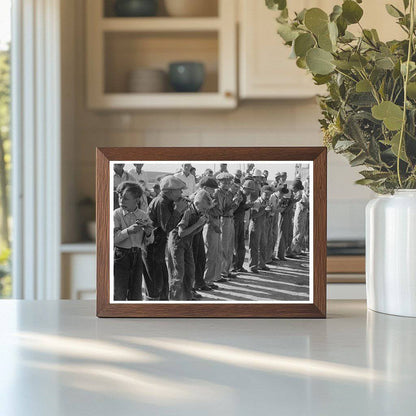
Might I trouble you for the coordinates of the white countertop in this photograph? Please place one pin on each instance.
(58, 359)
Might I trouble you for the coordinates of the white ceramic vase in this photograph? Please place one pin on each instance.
(391, 253)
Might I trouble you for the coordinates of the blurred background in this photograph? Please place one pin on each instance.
(101, 73)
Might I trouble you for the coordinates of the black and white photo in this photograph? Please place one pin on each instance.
(205, 231)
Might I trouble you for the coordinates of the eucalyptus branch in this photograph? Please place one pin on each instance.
(406, 80)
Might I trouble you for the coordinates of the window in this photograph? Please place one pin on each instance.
(5, 148)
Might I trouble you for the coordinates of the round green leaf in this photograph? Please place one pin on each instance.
(363, 86)
(411, 90)
(385, 63)
(391, 114)
(351, 11)
(327, 40)
(286, 32)
(316, 20)
(342, 64)
(324, 42)
(319, 61)
(303, 43)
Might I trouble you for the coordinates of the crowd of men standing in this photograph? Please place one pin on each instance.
(188, 233)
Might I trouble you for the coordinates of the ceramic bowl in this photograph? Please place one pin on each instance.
(147, 80)
(186, 76)
(135, 8)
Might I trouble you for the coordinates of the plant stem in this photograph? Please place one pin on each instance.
(345, 75)
(406, 79)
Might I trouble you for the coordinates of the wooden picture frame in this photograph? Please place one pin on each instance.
(315, 309)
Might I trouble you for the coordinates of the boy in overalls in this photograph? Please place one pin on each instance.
(180, 254)
(198, 246)
(227, 202)
(165, 211)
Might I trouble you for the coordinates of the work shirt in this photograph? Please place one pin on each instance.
(241, 209)
(163, 215)
(277, 203)
(225, 203)
(125, 176)
(142, 176)
(259, 209)
(189, 181)
(124, 219)
(189, 218)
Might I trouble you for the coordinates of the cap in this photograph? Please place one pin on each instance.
(283, 189)
(207, 181)
(257, 172)
(171, 182)
(298, 184)
(249, 185)
(278, 175)
(224, 176)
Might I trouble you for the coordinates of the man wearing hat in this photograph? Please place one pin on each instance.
(209, 185)
(239, 174)
(165, 211)
(227, 203)
(180, 254)
(277, 179)
(277, 202)
(212, 238)
(239, 214)
(186, 176)
(301, 221)
(286, 221)
(258, 179)
(258, 234)
(223, 169)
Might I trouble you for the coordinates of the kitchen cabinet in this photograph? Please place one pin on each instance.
(118, 45)
(265, 70)
(78, 271)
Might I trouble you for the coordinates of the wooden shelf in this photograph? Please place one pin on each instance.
(163, 101)
(116, 46)
(159, 24)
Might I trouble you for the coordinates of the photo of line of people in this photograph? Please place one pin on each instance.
(205, 231)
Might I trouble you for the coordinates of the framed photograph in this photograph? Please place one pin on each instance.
(211, 232)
